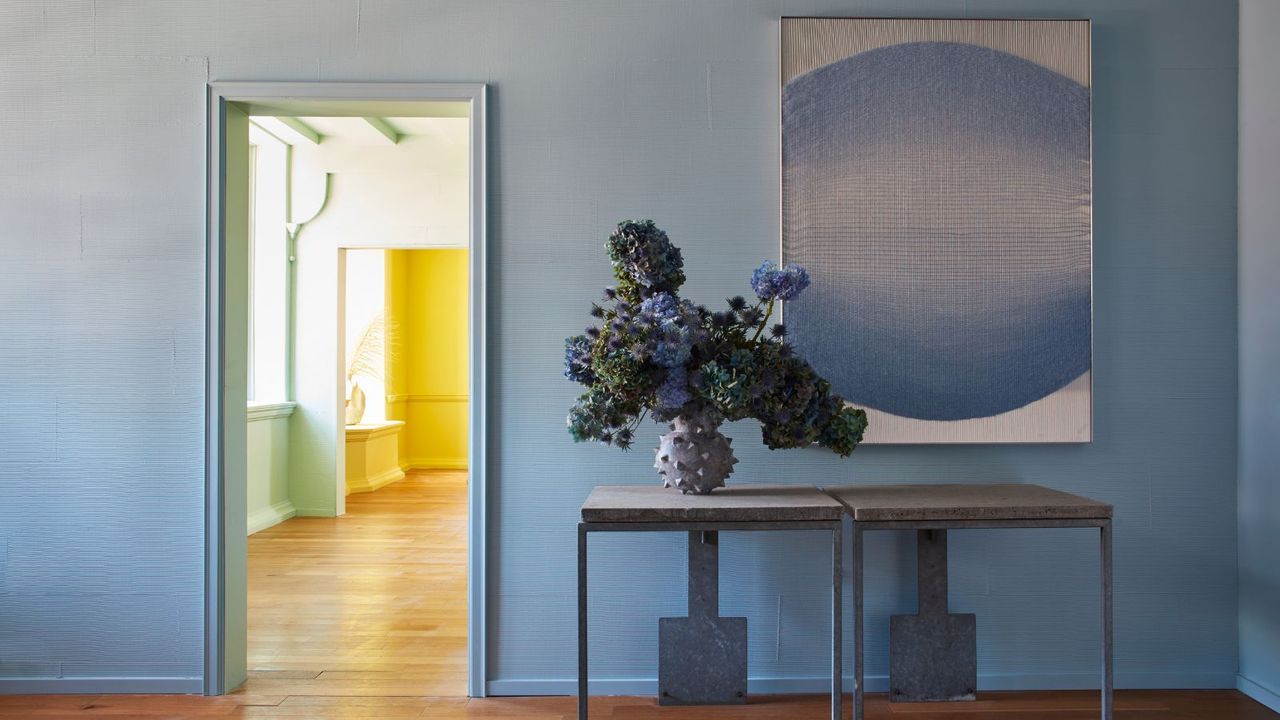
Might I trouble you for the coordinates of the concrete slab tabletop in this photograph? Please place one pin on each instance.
(919, 502)
(735, 503)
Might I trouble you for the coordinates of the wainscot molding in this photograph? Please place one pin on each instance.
(408, 397)
(442, 463)
(1259, 692)
(367, 432)
(102, 686)
(270, 410)
(880, 683)
(266, 517)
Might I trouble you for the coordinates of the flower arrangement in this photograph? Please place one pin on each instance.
(654, 353)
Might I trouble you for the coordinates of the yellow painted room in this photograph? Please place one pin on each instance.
(426, 294)
(406, 408)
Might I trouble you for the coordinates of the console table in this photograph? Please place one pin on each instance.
(933, 653)
(703, 658)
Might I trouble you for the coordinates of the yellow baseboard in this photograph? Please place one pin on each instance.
(377, 482)
(433, 464)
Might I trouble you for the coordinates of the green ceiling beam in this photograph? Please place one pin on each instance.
(384, 128)
(302, 129)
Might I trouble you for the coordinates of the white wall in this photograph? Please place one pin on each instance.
(1259, 490)
(366, 289)
(413, 194)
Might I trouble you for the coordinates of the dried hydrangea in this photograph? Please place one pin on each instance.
(654, 352)
(773, 283)
(644, 259)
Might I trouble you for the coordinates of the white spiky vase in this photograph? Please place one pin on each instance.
(694, 457)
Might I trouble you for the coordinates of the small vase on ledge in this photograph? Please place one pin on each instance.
(694, 457)
(355, 404)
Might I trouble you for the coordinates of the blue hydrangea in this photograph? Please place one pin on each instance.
(675, 345)
(662, 306)
(771, 282)
(643, 254)
(673, 393)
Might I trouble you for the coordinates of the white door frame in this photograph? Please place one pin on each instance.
(220, 94)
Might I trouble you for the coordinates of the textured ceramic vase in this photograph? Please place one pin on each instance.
(694, 457)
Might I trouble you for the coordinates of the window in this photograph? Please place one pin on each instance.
(268, 268)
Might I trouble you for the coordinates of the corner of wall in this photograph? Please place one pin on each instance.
(1264, 695)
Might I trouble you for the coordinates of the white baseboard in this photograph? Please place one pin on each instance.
(442, 463)
(101, 686)
(1259, 692)
(878, 683)
(269, 516)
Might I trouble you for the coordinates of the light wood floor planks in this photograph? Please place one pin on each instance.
(364, 617)
(370, 604)
(1131, 705)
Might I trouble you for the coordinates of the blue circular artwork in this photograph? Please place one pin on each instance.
(938, 193)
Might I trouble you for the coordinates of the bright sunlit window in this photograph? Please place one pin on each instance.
(268, 268)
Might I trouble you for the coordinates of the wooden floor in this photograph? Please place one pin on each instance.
(1131, 705)
(364, 617)
(370, 604)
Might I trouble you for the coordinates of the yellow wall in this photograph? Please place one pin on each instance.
(427, 310)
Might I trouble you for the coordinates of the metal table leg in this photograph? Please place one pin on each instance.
(582, 621)
(837, 642)
(1108, 672)
(857, 622)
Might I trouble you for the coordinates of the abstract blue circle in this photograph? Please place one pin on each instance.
(939, 195)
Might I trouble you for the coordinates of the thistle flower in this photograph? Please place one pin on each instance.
(577, 359)
(778, 330)
(623, 439)
(737, 302)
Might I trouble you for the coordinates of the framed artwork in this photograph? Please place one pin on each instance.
(937, 185)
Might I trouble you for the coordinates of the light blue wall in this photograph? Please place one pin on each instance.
(670, 112)
(600, 110)
(1259, 352)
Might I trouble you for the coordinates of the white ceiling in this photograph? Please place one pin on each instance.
(359, 131)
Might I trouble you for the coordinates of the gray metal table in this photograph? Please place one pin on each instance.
(933, 634)
(631, 508)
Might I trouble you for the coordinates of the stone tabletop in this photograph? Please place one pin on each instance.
(872, 503)
(736, 503)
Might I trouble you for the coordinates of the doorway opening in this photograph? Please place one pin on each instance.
(346, 306)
